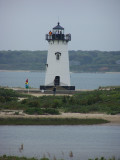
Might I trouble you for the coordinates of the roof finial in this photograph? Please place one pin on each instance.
(58, 21)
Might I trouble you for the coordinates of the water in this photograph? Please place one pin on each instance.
(79, 80)
(84, 141)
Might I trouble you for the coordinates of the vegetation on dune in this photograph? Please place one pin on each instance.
(5, 92)
(9, 99)
(103, 158)
(80, 61)
(102, 101)
(4, 157)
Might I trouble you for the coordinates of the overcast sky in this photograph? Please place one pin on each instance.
(93, 24)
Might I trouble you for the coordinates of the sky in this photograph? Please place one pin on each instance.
(93, 24)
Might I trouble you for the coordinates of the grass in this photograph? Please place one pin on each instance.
(103, 158)
(50, 121)
(100, 101)
(42, 111)
(4, 157)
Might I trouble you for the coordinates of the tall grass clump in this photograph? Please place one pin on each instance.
(50, 121)
(103, 158)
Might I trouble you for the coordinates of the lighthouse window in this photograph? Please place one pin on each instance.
(58, 54)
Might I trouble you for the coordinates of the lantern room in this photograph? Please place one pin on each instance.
(57, 33)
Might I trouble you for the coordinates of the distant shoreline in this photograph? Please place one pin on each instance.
(22, 71)
(44, 71)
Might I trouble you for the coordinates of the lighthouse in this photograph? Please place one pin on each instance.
(57, 65)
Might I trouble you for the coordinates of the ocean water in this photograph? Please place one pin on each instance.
(79, 80)
(38, 141)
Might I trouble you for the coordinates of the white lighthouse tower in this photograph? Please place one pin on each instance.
(57, 66)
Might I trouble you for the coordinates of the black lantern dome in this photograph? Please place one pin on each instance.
(58, 27)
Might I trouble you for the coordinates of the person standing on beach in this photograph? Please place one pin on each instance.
(54, 90)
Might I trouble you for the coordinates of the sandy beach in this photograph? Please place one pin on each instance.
(114, 119)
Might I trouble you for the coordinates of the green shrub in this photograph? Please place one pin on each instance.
(32, 111)
(41, 111)
(52, 111)
(24, 101)
(16, 113)
(56, 103)
(9, 93)
(2, 99)
(34, 103)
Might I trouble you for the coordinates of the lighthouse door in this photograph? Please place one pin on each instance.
(57, 81)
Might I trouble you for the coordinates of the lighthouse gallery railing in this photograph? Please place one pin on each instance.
(64, 37)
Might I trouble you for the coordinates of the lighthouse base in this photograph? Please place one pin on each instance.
(57, 87)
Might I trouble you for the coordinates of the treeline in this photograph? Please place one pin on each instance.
(80, 61)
